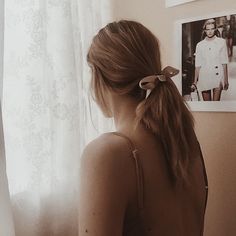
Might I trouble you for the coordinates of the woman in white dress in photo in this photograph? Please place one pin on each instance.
(211, 73)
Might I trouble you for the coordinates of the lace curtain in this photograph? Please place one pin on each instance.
(46, 111)
(6, 220)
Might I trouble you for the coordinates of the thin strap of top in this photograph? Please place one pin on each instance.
(138, 169)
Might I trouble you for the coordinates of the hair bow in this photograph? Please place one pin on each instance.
(148, 83)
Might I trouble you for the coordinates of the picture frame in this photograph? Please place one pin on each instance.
(188, 34)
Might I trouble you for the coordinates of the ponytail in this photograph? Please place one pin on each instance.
(164, 112)
(120, 55)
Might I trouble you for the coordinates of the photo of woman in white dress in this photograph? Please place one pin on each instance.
(211, 59)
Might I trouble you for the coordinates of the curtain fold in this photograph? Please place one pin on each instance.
(6, 219)
(46, 111)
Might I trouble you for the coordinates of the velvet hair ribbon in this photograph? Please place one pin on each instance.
(148, 83)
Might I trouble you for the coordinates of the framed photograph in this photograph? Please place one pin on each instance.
(206, 56)
(172, 3)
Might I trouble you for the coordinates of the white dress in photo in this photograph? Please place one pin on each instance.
(210, 57)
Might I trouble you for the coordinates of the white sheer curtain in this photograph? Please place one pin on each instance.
(6, 219)
(45, 108)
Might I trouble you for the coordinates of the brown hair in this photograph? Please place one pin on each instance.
(209, 22)
(121, 54)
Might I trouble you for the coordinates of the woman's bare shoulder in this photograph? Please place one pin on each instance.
(108, 152)
(107, 146)
(105, 185)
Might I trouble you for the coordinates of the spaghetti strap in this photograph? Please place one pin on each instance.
(138, 169)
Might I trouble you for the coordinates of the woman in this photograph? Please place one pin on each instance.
(148, 178)
(211, 73)
(227, 34)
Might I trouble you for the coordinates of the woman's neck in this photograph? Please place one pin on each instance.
(124, 114)
(210, 39)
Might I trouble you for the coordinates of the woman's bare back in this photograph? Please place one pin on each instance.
(126, 190)
(166, 209)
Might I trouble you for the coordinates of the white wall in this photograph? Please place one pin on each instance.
(216, 131)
